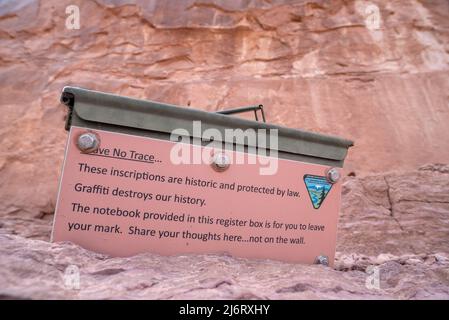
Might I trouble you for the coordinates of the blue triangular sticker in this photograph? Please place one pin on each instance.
(318, 187)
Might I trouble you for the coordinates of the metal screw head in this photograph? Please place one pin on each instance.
(221, 161)
(88, 142)
(323, 260)
(333, 175)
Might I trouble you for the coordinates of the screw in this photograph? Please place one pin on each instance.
(332, 175)
(88, 142)
(323, 260)
(221, 162)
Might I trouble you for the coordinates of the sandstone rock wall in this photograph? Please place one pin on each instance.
(315, 65)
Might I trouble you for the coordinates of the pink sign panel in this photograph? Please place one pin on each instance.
(129, 197)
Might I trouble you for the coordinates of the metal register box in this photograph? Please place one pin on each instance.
(127, 188)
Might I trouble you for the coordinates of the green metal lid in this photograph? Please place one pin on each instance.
(99, 107)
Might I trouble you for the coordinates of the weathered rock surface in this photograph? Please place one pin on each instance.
(316, 65)
(397, 224)
(34, 269)
(396, 213)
